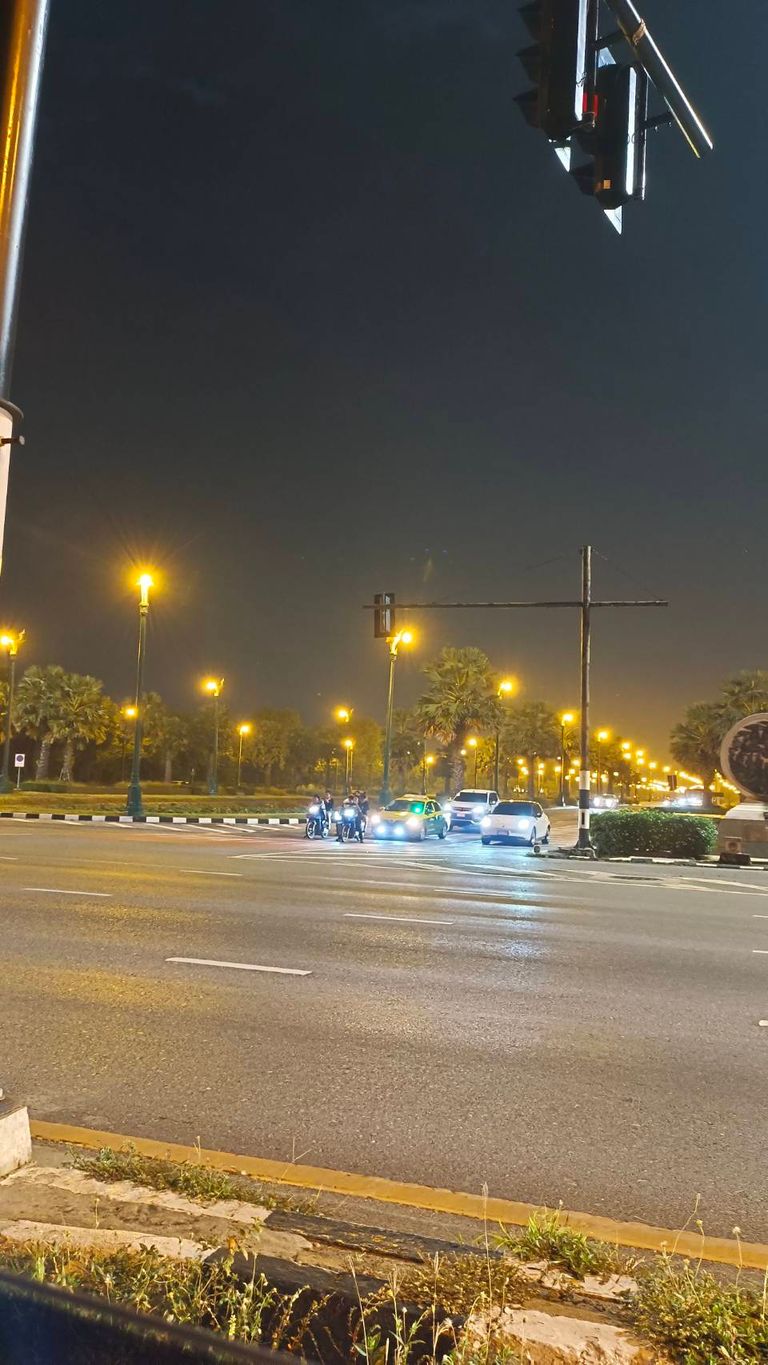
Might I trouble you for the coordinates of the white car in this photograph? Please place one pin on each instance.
(470, 805)
(516, 822)
(603, 801)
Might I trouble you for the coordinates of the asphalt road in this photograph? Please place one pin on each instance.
(560, 1032)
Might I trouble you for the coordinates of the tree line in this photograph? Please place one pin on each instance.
(80, 733)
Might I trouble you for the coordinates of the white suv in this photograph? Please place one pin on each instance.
(469, 806)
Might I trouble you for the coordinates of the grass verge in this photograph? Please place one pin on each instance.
(187, 1178)
(113, 803)
(698, 1320)
(546, 1237)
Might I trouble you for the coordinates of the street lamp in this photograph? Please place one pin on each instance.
(11, 643)
(401, 637)
(213, 687)
(472, 744)
(129, 713)
(242, 730)
(427, 761)
(507, 688)
(343, 713)
(134, 804)
(566, 719)
(601, 737)
(348, 745)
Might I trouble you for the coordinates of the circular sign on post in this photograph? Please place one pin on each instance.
(744, 756)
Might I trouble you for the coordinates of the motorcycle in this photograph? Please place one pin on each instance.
(317, 825)
(347, 826)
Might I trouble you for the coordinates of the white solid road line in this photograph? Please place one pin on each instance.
(398, 919)
(59, 891)
(239, 966)
(202, 872)
(8, 858)
(762, 951)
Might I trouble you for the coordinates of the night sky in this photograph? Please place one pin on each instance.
(310, 312)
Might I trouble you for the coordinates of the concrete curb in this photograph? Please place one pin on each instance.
(154, 819)
(481, 1208)
(15, 1137)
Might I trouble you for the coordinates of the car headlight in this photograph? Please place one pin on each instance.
(478, 810)
(398, 829)
(524, 822)
(485, 823)
(448, 806)
(413, 822)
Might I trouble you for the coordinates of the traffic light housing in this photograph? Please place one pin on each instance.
(620, 135)
(562, 64)
(383, 615)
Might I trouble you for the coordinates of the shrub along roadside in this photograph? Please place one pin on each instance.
(658, 833)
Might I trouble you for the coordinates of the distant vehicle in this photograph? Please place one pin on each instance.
(410, 817)
(470, 805)
(693, 799)
(603, 801)
(317, 824)
(515, 822)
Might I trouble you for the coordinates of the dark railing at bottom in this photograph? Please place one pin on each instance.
(41, 1324)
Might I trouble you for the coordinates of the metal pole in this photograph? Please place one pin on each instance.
(496, 760)
(386, 795)
(584, 843)
(5, 780)
(562, 765)
(134, 804)
(22, 45)
(213, 784)
(474, 779)
(424, 768)
(239, 761)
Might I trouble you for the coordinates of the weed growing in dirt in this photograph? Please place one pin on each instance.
(686, 1310)
(546, 1237)
(194, 1180)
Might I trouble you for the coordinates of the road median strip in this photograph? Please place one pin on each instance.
(640, 1236)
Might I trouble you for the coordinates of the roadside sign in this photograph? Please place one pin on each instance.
(19, 760)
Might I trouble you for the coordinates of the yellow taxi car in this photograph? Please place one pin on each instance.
(410, 817)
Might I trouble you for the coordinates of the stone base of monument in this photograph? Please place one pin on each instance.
(742, 834)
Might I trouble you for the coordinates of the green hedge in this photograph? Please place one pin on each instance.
(657, 833)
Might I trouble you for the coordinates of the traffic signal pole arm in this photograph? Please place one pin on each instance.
(647, 53)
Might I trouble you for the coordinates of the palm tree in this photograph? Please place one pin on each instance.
(744, 694)
(696, 740)
(81, 717)
(165, 735)
(36, 702)
(462, 697)
(533, 730)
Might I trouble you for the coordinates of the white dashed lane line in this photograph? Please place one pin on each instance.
(59, 891)
(238, 966)
(398, 919)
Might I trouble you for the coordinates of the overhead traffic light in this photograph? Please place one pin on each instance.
(383, 615)
(588, 105)
(617, 142)
(562, 64)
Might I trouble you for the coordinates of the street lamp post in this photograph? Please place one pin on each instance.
(565, 719)
(134, 805)
(472, 744)
(402, 637)
(427, 761)
(213, 687)
(11, 643)
(242, 730)
(349, 745)
(507, 688)
(129, 714)
(601, 737)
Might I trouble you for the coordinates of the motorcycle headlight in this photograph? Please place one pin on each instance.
(314, 810)
(485, 822)
(349, 815)
(413, 822)
(336, 817)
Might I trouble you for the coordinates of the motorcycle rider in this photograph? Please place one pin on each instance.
(350, 813)
(365, 805)
(328, 804)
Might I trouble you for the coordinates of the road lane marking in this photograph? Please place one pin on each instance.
(202, 872)
(762, 951)
(239, 966)
(59, 891)
(398, 919)
(8, 858)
